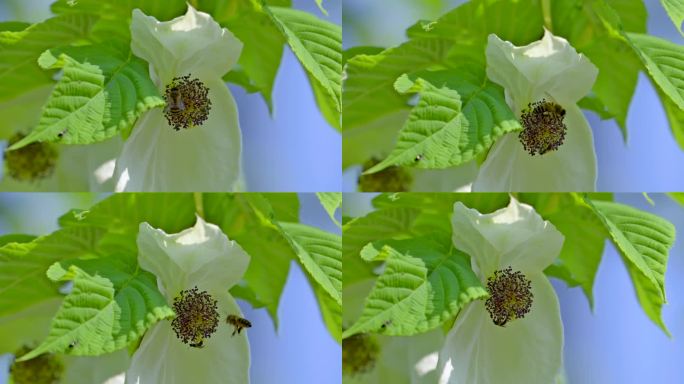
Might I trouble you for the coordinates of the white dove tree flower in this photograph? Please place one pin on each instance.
(543, 82)
(516, 335)
(195, 269)
(194, 144)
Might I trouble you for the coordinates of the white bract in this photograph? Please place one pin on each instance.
(547, 70)
(204, 156)
(201, 257)
(526, 349)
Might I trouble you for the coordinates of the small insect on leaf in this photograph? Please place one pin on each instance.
(418, 158)
(238, 322)
(386, 324)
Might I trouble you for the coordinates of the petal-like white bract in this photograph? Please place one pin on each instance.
(454, 179)
(202, 158)
(192, 43)
(524, 350)
(202, 257)
(570, 168)
(205, 158)
(163, 359)
(549, 69)
(514, 236)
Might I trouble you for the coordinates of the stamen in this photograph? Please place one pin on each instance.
(196, 317)
(510, 296)
(44, 369)
(544, 129)
(390, 179)
(187, 103)
(33, 162)
(359, 354)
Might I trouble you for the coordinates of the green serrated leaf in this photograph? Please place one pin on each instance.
(677, 196)
(102, 93)
(455, 40)
(675, 117)
(644, 241)
(373, 139)
(23, 265)
(595, 29)
(457, 118)
(161, 9)
(443, 202)
(13, 26)
(19, 71)
(377, 225)
(28, 326)
(262, 51)
(360, 50)
(368, 90)
(330, 201)
(123, 212)
(584, 235)
(331, 310)
(285, 205)
(318, 46)
(320, 253)
(270, 253)
(113, 303)
(329, 109)
(425, 283)
(675, 9)
(664, 61)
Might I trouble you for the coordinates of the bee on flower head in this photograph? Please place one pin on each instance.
(199, 344)
(175, 100)
(238, 322)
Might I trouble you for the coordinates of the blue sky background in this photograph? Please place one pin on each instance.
(616, 343)
(302, 351)
(293, 150)
(646, 163)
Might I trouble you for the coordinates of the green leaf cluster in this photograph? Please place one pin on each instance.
(112, 301)
(101, 89)
(422, 282)
(381, 119)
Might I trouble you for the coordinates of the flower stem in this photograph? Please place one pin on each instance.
(546, 9)
(199, 204)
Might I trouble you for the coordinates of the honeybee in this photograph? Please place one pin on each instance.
(238, 322)
(553, 108)
(500, 322)
(199, 344)
(176, 104)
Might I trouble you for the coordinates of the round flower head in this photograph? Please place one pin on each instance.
(195, 269)
(516, 335)
(194, 143)
(543, 82)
